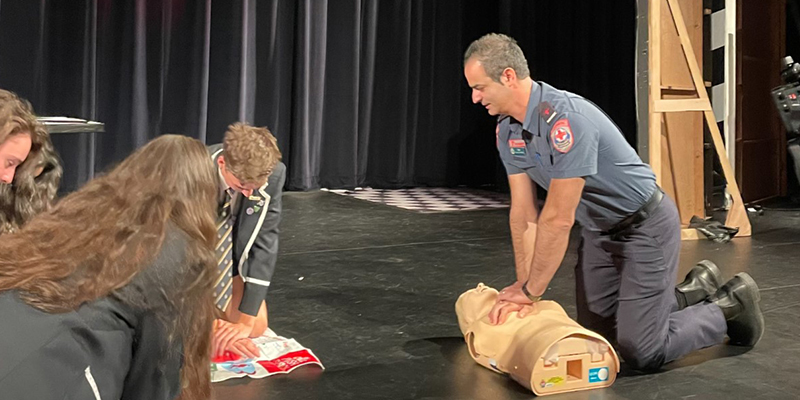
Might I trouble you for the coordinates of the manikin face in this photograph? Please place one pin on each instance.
(494, 96)
(12, 153)
(233, 182)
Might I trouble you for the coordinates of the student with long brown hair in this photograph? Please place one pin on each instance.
(34, 187)
(19, 134)
(107, 295)
(30, 170)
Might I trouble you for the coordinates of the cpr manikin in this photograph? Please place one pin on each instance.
(545, 351)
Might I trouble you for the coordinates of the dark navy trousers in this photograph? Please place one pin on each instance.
(626, 292)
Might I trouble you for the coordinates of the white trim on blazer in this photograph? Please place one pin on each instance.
(246, 252)
(263, 211)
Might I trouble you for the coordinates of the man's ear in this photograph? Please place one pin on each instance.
(221, 161)
(508, 77)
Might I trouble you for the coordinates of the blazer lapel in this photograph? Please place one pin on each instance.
(252, 211)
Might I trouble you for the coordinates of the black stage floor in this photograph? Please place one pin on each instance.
(379, 284)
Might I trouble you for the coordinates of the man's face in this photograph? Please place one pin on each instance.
(12, 153)
(246, 189)
(493, 95)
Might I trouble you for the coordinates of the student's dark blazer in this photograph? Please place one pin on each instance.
(255, 235)
(117, 347)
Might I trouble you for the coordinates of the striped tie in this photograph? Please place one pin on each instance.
(222, 285)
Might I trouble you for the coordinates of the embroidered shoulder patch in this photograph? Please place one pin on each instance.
(561, 136)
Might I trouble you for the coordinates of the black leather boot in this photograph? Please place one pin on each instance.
(738, 299)
(700, 283)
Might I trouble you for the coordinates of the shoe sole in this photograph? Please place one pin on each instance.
(753, 290)
(751, 284)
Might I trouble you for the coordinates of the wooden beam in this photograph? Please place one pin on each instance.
(690, 234)
(737, 215)
(688, 50)
(654, 35)
(681, 89)
(674, 90)
(682, 105)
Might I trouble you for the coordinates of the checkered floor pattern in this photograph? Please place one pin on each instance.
(429, 200)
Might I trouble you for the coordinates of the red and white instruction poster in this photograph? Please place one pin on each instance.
(279, 355)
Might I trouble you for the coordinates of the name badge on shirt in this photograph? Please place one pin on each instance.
(517, 147)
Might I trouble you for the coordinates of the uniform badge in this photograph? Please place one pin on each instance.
(260, 202)
(249, 211)
(517, 147)
(561, 136)
(254, 198)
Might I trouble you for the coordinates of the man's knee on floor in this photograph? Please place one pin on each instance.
(639, 358)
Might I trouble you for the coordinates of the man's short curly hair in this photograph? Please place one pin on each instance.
(250, 152)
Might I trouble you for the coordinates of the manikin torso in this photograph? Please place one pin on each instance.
(546, 351)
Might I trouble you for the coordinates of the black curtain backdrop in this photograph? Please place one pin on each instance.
(358, 92)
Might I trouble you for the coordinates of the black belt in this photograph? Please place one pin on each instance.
(640, 215)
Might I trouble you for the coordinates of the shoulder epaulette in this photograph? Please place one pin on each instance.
(547, 112)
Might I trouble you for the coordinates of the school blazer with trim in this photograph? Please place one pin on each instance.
(255, 235)
(106, 349)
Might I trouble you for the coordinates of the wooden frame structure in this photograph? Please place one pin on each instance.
(659, 107)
